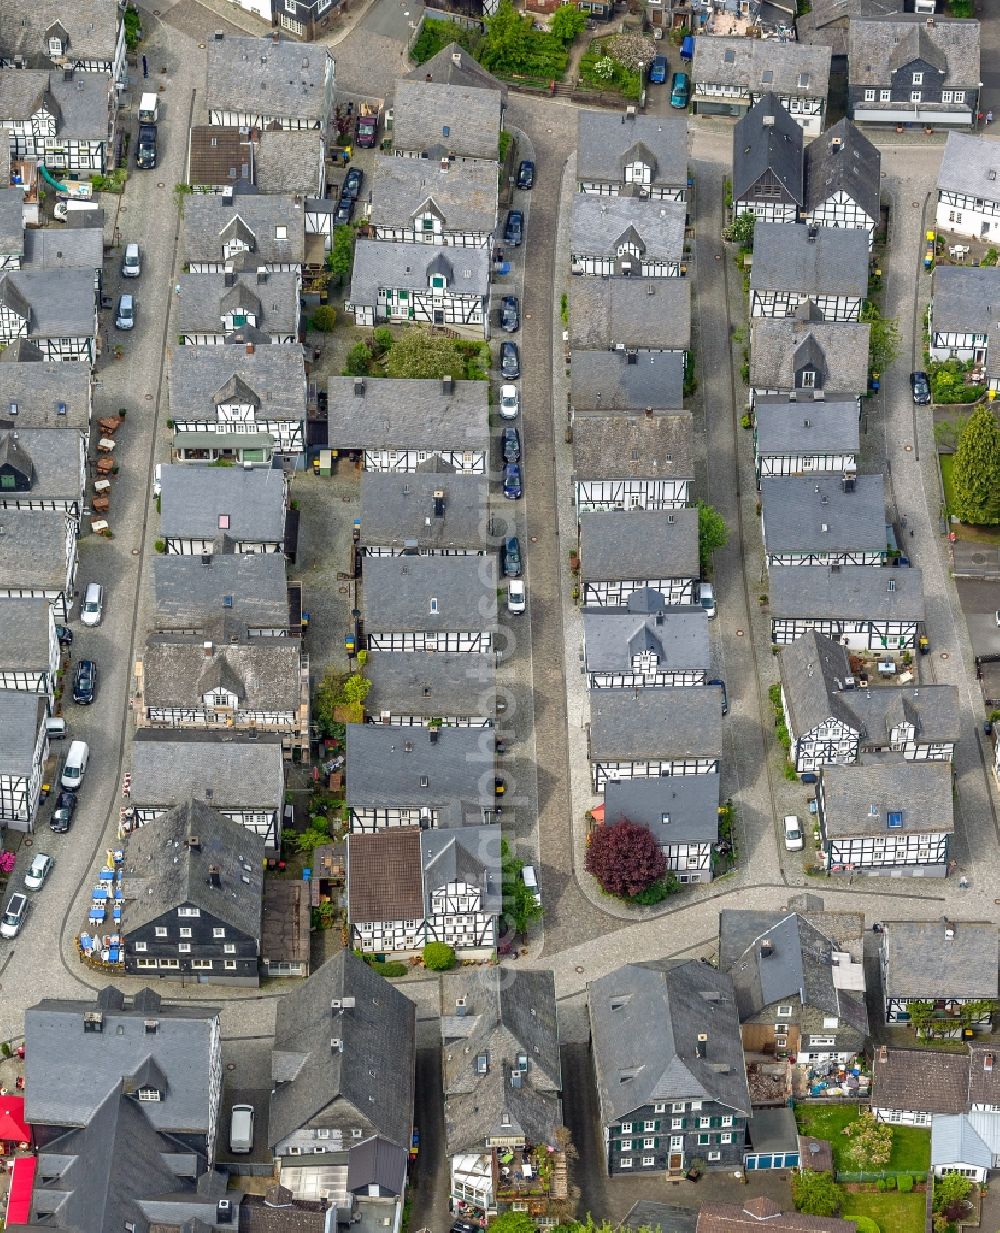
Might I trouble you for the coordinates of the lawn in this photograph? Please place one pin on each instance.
(911, 1146)
(982, 535)
(892, 1212)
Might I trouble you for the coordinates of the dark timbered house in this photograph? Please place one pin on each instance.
(632, 460)
(962, 323)
(805, 355)
(62, 118)
(34, 394)
(607, 382)
(729, 75)
(397, 282)
(645, 644)
(265, 82)
(42, 469)
(793, 435)
(425, 513)
(430, 603)
(434, 119)
(25, 745)
(630, 315)
(652, 733)
(205, 510)
(416, 201)
(623, 236)
(225, 595)
(54, 309)
(243, 233)
(626, 550)
(768, 165)
(63, 36)
(210, 307)
(30, 655)
(38, 557)
(843, 181)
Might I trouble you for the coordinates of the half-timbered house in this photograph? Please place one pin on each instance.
(428, 513)
(623, 236)
(257, 686)
(862, 608)
(62, 118)
(34, 394)
(12, 229)
(645, 644)
(227, 509)
(437, 120)
(680, 811)
(625, 550)
(211, 306)
(630, 314)
(502, 1079)
(54, 309)
(70, 248)
(799, 981)
(418, 690)
(224, 595)
(968, 194)
(941, 975)
(793, 435)
(400, 425)
(671, 1080)
(38, 557)
(290, 161)
(632, 155)
(639, 460)
(804, 352)
(243, 232)
(886, 817)
(42, 469)
(418, 202)
(604, 382)
(430, 603)
(768, 165)
(232, 392)
(257, 83)
(25, 745)
(919, 1087)
(843, 171)
(192, 897)
(922, 722)
(962, 322)
(644, 734)
(243, 777)
(824, 266)
(407, 887)
(911, 69)
(30, 656)
(729, 75)
(219, 158)
(824, 520)
(399, 282)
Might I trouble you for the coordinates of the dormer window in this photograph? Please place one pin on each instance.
(149, 1093)
(437, 281)
(281, 232)
(55, 48)
(223, 522)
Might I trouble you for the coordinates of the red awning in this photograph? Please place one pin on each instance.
(598, 813)
(22, 1185)
(13, 1127)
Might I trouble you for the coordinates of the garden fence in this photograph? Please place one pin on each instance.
(882, 1175)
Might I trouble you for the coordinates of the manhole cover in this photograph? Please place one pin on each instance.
(28, 842)
(135, 552)
(230, 1066)
(149, 397)
(944, 654)
(579, 967)
(907, 449)
(979, 557)
(739, 633)
(342, 590)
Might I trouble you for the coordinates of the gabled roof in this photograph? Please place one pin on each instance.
(397, 414)
(780, 346)
(606, 142)
(403, 510)
(678, 637)
(398, 593)
(636, 725)
(464, 195)
(940, 959)
(967, 301)
(439, 119)
(204, 300)
(620, 446)
(12, 233)
(35, 549)
(858, 799)
(920, 1079)
(55, 303)
(766, 139)
(233, 593)
(791, 70)
(843, 160)
(273, 223)
(676, 808)
(805, 427)
(195, 500)
(879, 46)
(639, 544)
(845, 592)
(970, 165)
(88, 28)
(21, 716)
(381, 265)
(812, 261)
(268, 76)
(600, 226)
(203, 377)
(25, 626)
(264, 672)
(289, 161)
(231, 773)
(453, 66)
(764, 1213)
(436, 684)
(955, 1141)
(606, 381)
(814, 514)
(813, 670)
(625, 312)
(219, 156)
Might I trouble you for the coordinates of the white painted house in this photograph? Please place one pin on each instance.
(398, 282)
(62, 118)
(638, 460)
(863, 609)
(25, 745)
(38, 557)
(625, 236)
(56, 310)
(805, 436)
(795, 265)
(824, 519)
(60, 36)
(646, 644)
(843, 180)
(417, 201)
(632, 155)
(968, 192)
(681, 811)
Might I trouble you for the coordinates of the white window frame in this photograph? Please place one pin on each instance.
(649, 1145)
(218, 933)
(714, 1155)
(647, 1126)
(918, 78)
(916, 96)
(625, 1128)
(625, 1162)
(869, 96)
(727, 1121)
(659, 1108)
(229, 948)
(230, 965)
(677, 1124)
(885, 96)
(677, 1107)
(726, 1138)
(648, 1162)
(189, 912)
(184, 948)
(139, 948)
(784, 1010)
(184, 933)
(160, 931)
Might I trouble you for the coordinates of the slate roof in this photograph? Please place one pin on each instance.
(984, 1084)
(599, 225)
(279, 1212)
(843, 160)
(639, 544)
(677, 636)
(796, 508)
(70, 1071)
(922, 961)
(834, 262)
(920, 1079)
(932, 710)
(205, 298)
(783, 427)
(264, 672)
(274, 376)
(633, 725)
(788, 69)
(440, 119)
(377, 1162)
(68, 248)
(969, 165)
(388, 264)
(453, 66)
(659, 446)
(880, 46)
(813, 669)
(289, 161)
(828, 20)
(844, 592)
(397, 593)
(59, 303)
(470, 854)
(727, 1217)
(267, 76)
(388, 413)
(21, 715)
(441, 683)
(378, 1035)
(606, 141)
(691, 802)
(607, 381)
(765, 139)
(963, 300)
(955, 1141)
(91, 27)
(52, 458)
(465, 195)
(781, 345)
(506, 1016)
(630, 312)
(12, 231)
(233, 592)
(33, 549)
(164, 871)
(230, 771)
(81, 104)
(219, 156)
(257, 215)
(644, 1022)
(38, 390)
(450, 769)
(193, 500)
(399, 509)
(921, 791)
(648, 1214)
(24, 634)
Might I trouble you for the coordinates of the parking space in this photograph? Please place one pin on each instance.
(980, 600)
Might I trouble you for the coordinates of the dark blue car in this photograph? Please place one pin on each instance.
(658, 70)
(512, 481)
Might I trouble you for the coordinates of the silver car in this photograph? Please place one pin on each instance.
(38, 871)
(125, 315)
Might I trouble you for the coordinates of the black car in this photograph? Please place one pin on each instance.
(725, 697)
(510, 314)
(351, 187)
(920, 388)
(513, 233)
(345, 211)
(512, 557)
(526, 175)
(510, 441)
(62, 815)
(65, 635)
(85, 682)
(510, 361)
(465, 1226)
(145, 150)
(512, 487)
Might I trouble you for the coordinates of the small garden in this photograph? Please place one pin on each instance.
(629, 864)
(616, 63)
(970, 476)
(950, 384)
(416, 353)
(909, 1147)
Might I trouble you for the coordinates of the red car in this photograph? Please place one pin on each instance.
(366, 131)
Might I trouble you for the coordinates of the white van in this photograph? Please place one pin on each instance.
(149, 107)
(241, 1129)
(75, 765)
(131, 262)
(62, 209)
(530, 880)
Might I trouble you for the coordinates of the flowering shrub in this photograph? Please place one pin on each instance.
(7, 862)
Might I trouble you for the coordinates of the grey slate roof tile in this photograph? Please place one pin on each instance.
(194, 498)
(453, 66)
(204, 299)
(39, 388)
(12, 231)
(178, 672)
(397, 414)
(933, 710)
(796, 509)
(387, 265)
(61, 303)
(765, 139)
(433, 684)
(91, 27)
(599, 225)
(834, 262)
(605, 141)
(199, 376)
(789, 69)
(289, 161)
(82, 103)
(397, 593)
(813, 669)
(691, 802)
(71, 248)
(801, 427)
(608, 313)
(846, 592)
(231, 772)
(625, 446)
(439, 119)
(967, 165)
(678, 636)
(843, 160)
(633, 725)
(922, 961)
(467, 854)
(265, 76)
(920, 1079)
(464, 194)
(400, 509)
(639, 543)
(24, 634)
(229, 594)
(879, 46)
(781, 345)
(607, 381)
(257, 215)
(33, 549)
(21, 716)
(963, 301)
(52, 457)
(920, 790)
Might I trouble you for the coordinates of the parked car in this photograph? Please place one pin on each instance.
(62, 814)
(366, 130)
(517, 597)
(793, 833)
(513, 232)
(680, 90)
(658, 70)
(157, 480)
(131, 262)
(56, 728)
(512, 484)
(510, 314)
(526, 174)
(351, 187)
(125, 312)
(75, 766)
(65, 635)
(530, 880)
(717, 680)
(93, 604)
(13, 916)
(510, 361)
(241, 1129)
(38, 871)
(920, 388)
(145, 150)
(85, 682)
(510, 403)
(706, 595)
(512, 567)
(345, 211)
(510, 440)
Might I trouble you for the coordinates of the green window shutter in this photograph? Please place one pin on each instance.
(715, 1121)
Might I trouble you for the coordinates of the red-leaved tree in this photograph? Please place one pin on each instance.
(625, 858)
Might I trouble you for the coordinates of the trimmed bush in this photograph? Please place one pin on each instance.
(439, 956)
(865, 1224)
(880, 1185)
(904, 1184)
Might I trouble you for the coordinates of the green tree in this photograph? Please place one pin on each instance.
(325, 700)
(507, 45)
(713, 534)
(341, 254)
(883, 340)
(741, 231)
(513, 1222)
(871, 1141)
(382, 339)
(976, 472)
(133, 27)
(816, 1194)
(355, 689)
(439, 956)
(324, 318)
(950, 1193)
(358, 361)
(421, 354)
(519, 904)
(567, 22)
